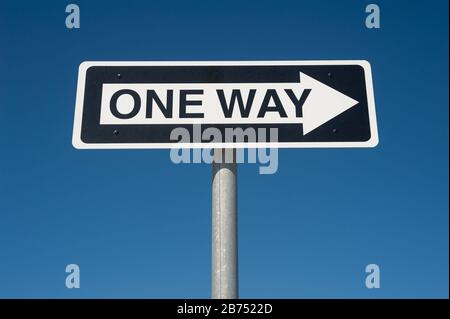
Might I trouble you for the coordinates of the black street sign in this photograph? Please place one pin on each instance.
(143, 104)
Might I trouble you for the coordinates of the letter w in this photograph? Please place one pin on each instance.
(236, 94)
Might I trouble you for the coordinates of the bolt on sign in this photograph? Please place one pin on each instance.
(310, 103)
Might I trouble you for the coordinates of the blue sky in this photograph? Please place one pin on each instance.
(139, 226)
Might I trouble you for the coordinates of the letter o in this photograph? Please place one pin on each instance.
(136, 106)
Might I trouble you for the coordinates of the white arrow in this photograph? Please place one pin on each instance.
(322, 104)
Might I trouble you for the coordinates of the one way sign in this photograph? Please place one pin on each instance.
(310, 103)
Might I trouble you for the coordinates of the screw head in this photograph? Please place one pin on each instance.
(116, 132)
(119, 75)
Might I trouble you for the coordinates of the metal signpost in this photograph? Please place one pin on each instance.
(137, 105)
(224, 272)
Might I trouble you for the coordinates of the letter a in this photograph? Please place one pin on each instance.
(73, 279)
(373, 279)
(373, 19)
(73, 19)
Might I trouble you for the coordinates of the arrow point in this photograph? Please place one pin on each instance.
(323, 103)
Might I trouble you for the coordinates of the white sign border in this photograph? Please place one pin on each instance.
(84, 66)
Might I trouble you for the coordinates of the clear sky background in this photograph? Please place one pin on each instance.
(139, 226)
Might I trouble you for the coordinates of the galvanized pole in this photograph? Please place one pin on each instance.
(224, 226)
